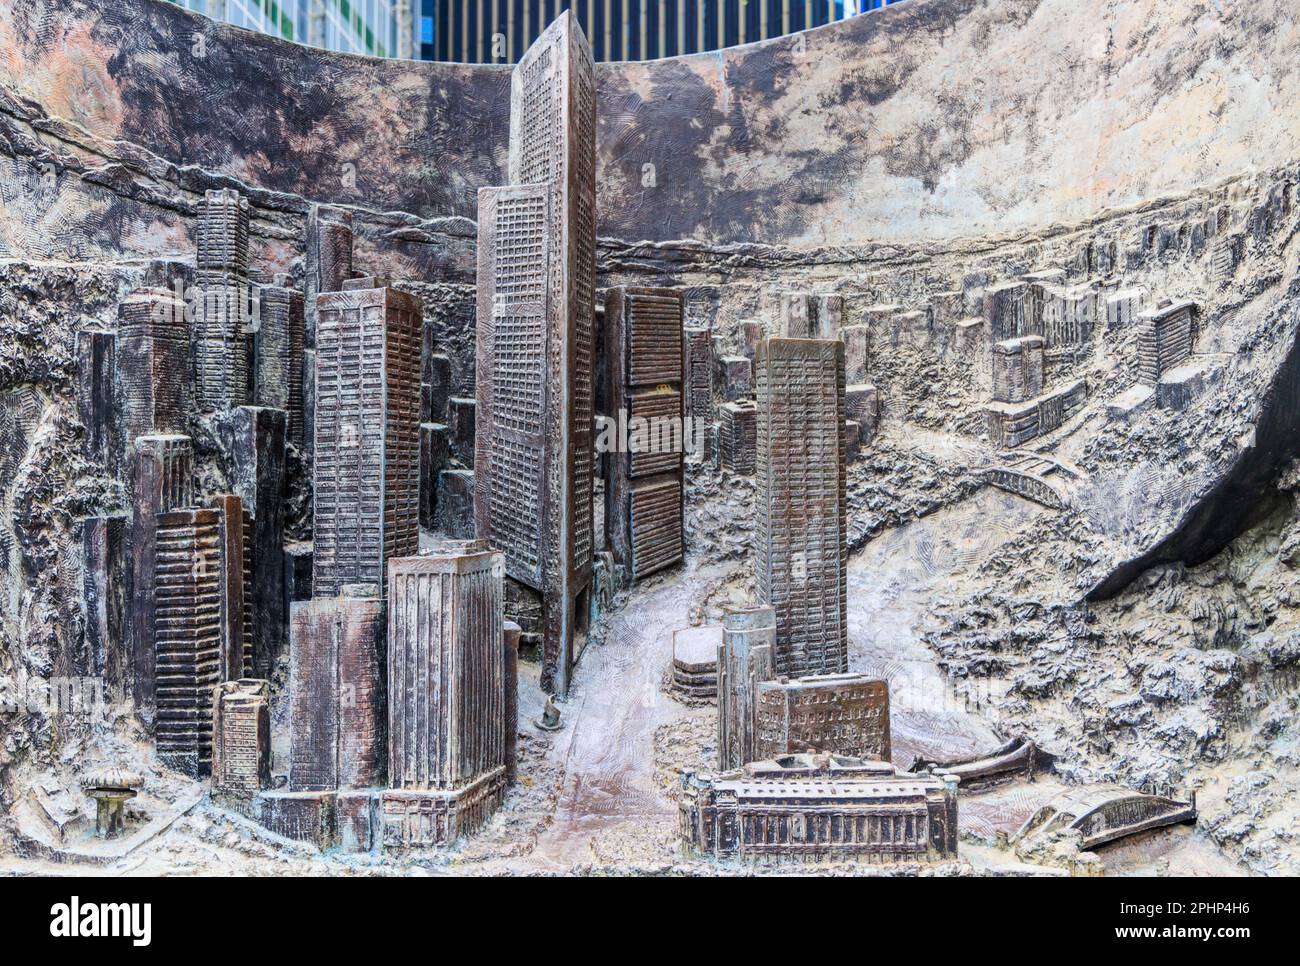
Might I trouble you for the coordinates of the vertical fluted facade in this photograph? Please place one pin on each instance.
(446, 670)
(153, 362)
(744, 661)
(336, 690)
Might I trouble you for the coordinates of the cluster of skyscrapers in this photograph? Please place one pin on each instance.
(399, 696)
(402, 667)
(804, 746)
(188, 588)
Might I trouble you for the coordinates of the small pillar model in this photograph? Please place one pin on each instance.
(805, 315)
(111, 788)
(738, 437)
(744, 661)
(241, 737)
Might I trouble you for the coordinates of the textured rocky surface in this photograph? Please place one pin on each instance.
(1145, 631)
(852, 134)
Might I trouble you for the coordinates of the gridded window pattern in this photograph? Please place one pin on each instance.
(518, 357)
(552, 143)
(348, 471)
(583, 494)
(520, 266)
(517, 506)
(537, 117)
(699, 373)
(367, 437)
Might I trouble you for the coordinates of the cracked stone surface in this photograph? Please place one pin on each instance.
(1145, 633)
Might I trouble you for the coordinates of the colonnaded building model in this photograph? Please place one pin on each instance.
(874, 449)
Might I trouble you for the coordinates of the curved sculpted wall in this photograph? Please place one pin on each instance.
(927, 120)
(949, 117)
(959, 172)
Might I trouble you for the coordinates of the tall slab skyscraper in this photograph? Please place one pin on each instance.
(536, 288)
(800, 533)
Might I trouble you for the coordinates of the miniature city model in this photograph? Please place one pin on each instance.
(868, 451)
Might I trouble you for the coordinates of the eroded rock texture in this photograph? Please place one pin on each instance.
(958, 172)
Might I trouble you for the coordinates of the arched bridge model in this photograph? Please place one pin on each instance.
(1106, 813)
(1035, 476)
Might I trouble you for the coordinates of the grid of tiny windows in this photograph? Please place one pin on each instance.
(520, 258)
(516, 502)
(518, 362)
(541, 118)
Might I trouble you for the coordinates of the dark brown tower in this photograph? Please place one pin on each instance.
(153, 359)
(644, 505)
(337, 693)
(189, 571)
(279, 341)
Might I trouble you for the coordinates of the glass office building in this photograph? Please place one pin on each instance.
(499, 31)
(381, 28)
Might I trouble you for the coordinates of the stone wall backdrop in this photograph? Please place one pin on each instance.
(914, 158)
